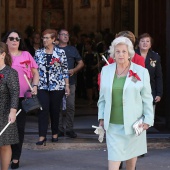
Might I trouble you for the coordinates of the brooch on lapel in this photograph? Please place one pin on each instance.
(134, 76)
(152, 62)
(1, 77)
(55, 61)
(26, 63)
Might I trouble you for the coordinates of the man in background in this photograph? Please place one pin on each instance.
(75, 63)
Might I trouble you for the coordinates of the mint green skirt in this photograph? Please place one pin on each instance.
(122, 147)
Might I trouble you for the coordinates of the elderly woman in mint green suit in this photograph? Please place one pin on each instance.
(125, 95)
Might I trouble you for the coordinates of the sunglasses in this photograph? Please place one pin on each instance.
(13, 38)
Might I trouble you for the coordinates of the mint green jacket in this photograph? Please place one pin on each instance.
(137, 97)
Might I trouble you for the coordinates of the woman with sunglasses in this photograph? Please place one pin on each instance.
(23, 63)
(9, 86)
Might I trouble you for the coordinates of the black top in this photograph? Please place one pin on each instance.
(73, 57)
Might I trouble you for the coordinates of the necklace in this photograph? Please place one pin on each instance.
(119, 74)
(2, 66)
(15, 53)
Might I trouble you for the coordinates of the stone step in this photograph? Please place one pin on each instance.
(87, 142)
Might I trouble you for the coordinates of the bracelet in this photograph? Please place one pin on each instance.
(34, 85)
(67, 84)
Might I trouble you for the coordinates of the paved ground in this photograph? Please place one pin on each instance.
(157, 159)
(85, 152)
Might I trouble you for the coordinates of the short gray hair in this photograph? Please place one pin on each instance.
(121, 40)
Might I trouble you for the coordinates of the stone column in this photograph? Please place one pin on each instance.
(136, 18)
(99, 14)
(167, 45)
(6, 15)
(69, 19)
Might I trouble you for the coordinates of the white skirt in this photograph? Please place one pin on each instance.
(123, 147)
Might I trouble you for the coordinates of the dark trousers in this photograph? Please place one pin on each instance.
(70, 105)
(21, 119)
(51, 103)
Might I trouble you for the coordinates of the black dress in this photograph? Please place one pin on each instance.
(9, 92)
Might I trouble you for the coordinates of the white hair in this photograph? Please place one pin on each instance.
(121, 40)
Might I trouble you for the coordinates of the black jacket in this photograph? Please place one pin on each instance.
(153, 64)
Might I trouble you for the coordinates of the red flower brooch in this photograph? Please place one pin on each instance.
(55, 61)
(134, 76)
(26, 63)
(1, 76)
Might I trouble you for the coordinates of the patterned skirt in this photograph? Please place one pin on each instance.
(10, 135)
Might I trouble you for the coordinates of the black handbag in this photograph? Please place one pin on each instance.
(30, 103)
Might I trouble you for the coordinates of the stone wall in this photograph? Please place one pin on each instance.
(16, 17)
(90, 17)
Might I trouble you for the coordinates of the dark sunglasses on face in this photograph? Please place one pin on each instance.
(13, 38)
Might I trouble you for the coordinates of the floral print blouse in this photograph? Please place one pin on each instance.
(52, 73)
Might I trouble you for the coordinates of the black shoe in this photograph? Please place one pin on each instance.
(15, 165)
(54, 139)
(60, 133)
(121, 165)
(71, 134)
(42, 142)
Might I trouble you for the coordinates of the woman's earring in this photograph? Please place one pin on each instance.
(114, 58)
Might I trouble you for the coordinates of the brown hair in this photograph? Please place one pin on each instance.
(4, 48)
(127, 34)
(144, 35)
(53, 33)
(22, 46)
